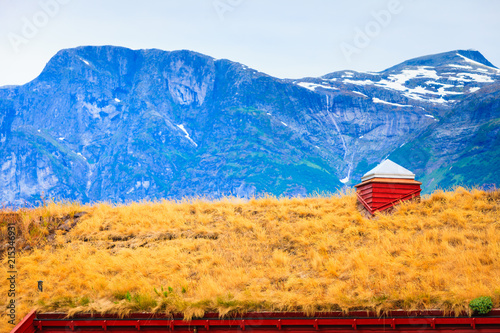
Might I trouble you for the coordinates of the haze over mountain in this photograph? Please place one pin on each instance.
(110, 123)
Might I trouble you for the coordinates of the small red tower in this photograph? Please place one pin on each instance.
(386, 185)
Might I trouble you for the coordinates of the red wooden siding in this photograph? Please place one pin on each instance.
(378, 194)
(359, 321)
(26, 325)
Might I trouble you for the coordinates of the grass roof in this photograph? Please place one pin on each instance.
(310, 254)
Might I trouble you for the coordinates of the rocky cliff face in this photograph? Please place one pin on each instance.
(109, 123)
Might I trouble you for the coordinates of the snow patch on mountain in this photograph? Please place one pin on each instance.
(80, 154)
(397, 81)
(470, 77)
(408, 81)
(313, 86)
(376, 100)
(344, 180)
(357, 92)
(187, 134)
(472, 61)
(359, 82)
(442, 92)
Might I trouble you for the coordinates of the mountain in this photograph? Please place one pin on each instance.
(464, 148)
(459, 91)
(110, 123)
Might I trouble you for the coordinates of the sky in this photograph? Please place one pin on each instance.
(283, 38)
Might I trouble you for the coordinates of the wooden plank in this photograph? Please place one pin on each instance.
(409, 196)
(395, 186)
(387, 195)
(26, 324)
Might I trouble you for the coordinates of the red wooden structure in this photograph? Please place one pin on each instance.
(386, 185)
(359, 321)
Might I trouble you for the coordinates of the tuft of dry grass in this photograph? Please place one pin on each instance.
(310, 254)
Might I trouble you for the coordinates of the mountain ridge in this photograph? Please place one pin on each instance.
(121, 124)
(446, 58)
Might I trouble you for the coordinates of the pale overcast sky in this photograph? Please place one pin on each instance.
(283, 38)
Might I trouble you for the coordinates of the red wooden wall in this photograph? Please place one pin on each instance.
(378, 194)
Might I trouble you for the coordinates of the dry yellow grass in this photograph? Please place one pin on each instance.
(313, 254)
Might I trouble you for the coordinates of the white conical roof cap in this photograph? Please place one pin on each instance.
(388, 169)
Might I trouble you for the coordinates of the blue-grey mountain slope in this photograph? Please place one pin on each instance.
(110, 123)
